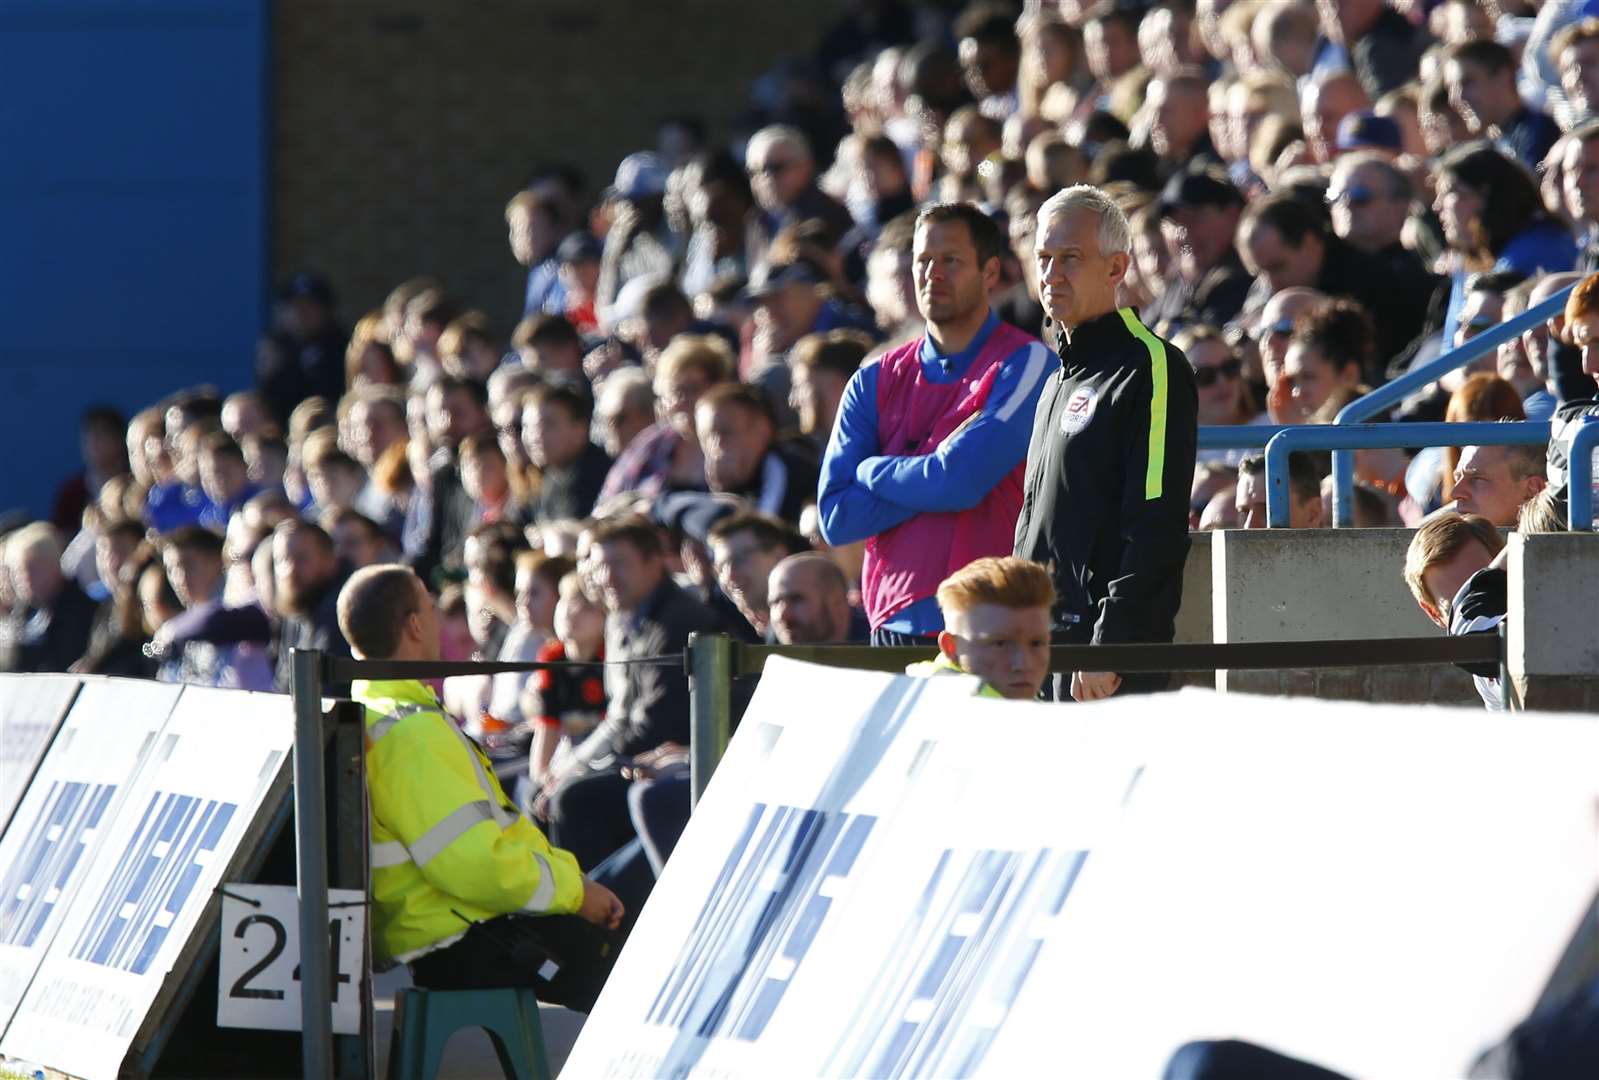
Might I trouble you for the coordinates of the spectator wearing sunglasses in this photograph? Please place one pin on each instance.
(1369, 199)
(783, 179)
(1273, 333)
(1219, 374)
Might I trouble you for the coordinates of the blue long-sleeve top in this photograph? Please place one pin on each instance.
(862, 492)
(1544, 247)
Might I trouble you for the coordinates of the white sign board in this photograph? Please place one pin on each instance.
(166, 853)
(258, 978)
(889, 878)
(865, 886)
(1382, 890)
(61, 823)
(31, 708)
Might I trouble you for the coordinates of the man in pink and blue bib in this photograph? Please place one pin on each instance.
(927, 455)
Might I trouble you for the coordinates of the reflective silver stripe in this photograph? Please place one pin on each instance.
(452, 828)
(387, 724)
(389, 853)
(417, 954)
(503, 816)
(544, 895)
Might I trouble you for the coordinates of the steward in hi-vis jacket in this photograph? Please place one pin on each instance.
(449, 849)
(465, 888)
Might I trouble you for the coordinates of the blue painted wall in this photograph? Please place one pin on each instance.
(134, 183)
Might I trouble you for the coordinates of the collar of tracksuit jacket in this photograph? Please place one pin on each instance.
(1078, 344)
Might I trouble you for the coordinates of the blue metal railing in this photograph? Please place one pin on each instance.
(1391, 393)
(1579, 477)
(1238, 436)
(1383, 437)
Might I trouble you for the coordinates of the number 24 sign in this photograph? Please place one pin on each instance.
(259, 974)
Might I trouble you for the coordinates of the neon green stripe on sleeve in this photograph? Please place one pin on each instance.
(1157, 403)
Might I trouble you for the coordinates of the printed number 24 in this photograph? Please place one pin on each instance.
(241, 987)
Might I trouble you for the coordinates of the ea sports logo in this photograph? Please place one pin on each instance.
(1079, 410)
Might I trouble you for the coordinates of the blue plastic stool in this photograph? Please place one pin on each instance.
(424, 1020)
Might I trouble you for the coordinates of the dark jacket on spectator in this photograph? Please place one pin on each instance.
(1530, 136)
(287, 372)
(317, 630)
(1396, 294)
(648, 702)
(110, 652)
(813, 202)
(1387, 56)
(571, 492)
(1478, 608)
(1214, 299)
(785, 481)
(445, 516)
(49, 639)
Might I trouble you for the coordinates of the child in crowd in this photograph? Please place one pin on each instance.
(996, 618)
(567, 703)
(508, 732)
(487, 480)
(333, 478)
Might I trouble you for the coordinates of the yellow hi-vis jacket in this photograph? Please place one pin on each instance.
(448, 848)
(943, 665)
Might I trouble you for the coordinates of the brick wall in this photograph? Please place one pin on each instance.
(402, 127)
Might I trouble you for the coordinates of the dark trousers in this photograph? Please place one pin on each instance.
(894, 637)
(563, 959)
(589, 816)
(660, 810)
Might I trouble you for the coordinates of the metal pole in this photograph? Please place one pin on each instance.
(310, 852)
(711, 706)
(1579, 477)
(1343, 500)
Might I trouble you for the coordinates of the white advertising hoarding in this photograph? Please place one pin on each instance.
(61, 823)
(164, 856)
(31, 708)
(889, 877)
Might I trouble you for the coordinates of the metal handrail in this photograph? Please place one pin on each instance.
(1238, 436)
(1579, 477)
(1381, 437)
(1391, 393)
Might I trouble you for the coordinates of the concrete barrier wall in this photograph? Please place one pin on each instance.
(1194, 617)
(1553, 639)
(1323, 584)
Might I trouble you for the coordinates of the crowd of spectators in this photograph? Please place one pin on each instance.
(1322, 196)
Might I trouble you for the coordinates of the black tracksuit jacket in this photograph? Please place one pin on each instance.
(1109, 470)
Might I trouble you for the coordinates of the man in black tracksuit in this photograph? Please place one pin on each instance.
(1111, 462)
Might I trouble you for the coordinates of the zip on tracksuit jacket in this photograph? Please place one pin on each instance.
(1109, 469)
